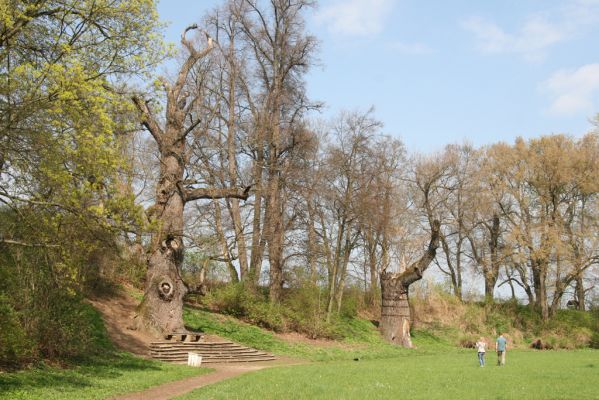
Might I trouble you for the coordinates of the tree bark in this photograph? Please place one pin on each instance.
(395, 308)
(395, 311)
(580, 293)
(162, 305)
(539, 276)
(161, 310)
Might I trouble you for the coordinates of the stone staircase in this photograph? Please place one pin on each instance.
(212, 350)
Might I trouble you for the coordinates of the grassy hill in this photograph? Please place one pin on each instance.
(440, 321)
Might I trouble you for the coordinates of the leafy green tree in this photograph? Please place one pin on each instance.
(62, 109)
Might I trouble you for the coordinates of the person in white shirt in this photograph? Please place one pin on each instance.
(481, 347)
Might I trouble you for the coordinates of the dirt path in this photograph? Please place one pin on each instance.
(118, 312)
(222, 372)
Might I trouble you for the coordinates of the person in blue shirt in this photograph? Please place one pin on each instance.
(501, 348)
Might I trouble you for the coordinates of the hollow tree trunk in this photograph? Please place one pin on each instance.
(395, 306)
(161, 309)
(395, 311)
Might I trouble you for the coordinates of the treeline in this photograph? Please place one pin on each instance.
(335, 203)
(289, 201)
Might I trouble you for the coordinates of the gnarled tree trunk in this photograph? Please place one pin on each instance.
(395, 310)
(395, 307)
(161, 310)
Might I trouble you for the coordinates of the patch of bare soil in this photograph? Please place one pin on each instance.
(118, 311)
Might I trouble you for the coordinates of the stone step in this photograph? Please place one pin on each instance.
(220, 356)
(200, 350)
(220, 360)
(213, 351)
(201, 345)
(206, 354)
(210, 343)
(186, 345)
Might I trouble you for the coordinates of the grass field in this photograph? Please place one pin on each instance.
(97, 378)
(448, 375)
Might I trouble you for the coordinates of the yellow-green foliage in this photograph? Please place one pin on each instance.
(64, 110)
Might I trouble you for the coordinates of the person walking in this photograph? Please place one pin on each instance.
(481, 348)
(501, 348)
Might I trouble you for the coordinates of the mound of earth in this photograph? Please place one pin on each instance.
(118, 312)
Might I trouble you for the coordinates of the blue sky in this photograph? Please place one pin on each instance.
(450, 71)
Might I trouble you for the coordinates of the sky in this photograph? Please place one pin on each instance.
(449, 71)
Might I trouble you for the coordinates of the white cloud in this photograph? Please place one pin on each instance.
(356, 17)
(415, 49)
(538, 33)
(574, 91)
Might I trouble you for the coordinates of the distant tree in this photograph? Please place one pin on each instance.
(544, 193)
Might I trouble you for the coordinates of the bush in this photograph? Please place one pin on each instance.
(15, 347)
(247, 304)
(69, 328)
(305, 311)
(302, 310)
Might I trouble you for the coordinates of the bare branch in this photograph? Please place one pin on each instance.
(148, 120)
(214, 193)
(24, 244)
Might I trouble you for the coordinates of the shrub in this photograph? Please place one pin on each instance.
(247, 304)
(15, 347)
(68, 327)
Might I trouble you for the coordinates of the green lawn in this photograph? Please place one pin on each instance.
(447, 375)
(97, 378)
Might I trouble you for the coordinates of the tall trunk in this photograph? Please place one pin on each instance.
(490, 282)
(373, 295)
(257, 232)
(395, 307)
(233, 204)
(162, 304)
(539, 275)
(343, 273)
(580, 293)
(492, 272)
(274, 207)
(334, 272)
(311, 244)
(226, 254)
(275, 260)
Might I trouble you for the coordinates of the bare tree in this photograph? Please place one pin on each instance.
(281, 52)
(161, 309)
(395, 286)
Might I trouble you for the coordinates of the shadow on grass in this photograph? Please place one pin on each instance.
(83, 373)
